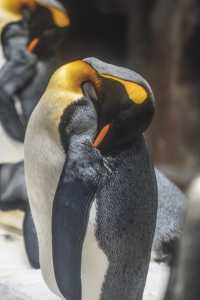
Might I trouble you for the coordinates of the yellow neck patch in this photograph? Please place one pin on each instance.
(70, 77)
(14, 6)
(64, 87)
(135, 91)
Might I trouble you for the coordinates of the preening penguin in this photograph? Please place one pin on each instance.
(39, 27)
(90, 181)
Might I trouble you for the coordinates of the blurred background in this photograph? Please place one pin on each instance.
(157, 38)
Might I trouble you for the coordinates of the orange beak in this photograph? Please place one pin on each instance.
(31, 46)
(101, 135)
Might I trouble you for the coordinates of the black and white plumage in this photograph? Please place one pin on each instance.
(29, 48)
(94, 209)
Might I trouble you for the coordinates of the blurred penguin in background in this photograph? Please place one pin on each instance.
(184, 281)
(29, 46)
(31, 35)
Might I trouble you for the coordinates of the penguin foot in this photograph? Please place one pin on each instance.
(165, 251)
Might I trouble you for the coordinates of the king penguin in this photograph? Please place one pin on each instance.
(90, 181)
(29, 45)
(32, 33)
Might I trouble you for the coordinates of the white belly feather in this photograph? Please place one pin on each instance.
(43, 165)
(44, 160)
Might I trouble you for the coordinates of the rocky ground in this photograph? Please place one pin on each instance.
(17, 280)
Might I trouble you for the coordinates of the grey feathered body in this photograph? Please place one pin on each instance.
(126, 218)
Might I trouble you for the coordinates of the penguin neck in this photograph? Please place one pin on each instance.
(136, 150)
(137, 145)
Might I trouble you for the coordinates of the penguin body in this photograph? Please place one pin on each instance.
(170, 214)
(67, 177)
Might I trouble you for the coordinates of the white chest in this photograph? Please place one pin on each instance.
(44, 161)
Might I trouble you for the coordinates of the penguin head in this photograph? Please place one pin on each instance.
(123, 101)
(13, 10)
(42, 25)
(58, 12)
(15, 7)
(47, 25)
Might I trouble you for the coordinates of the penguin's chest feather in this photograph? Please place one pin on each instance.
(94, 261)
(43, 167)
(45, 161)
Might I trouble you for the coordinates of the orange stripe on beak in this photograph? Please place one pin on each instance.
(101, 135)
(31, 46)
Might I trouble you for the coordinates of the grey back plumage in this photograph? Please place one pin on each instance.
(126, 218)
(170, 217)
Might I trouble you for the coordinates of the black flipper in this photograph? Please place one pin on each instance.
(31, 240)
(70, 218)
(13, 193)
(10, 118)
